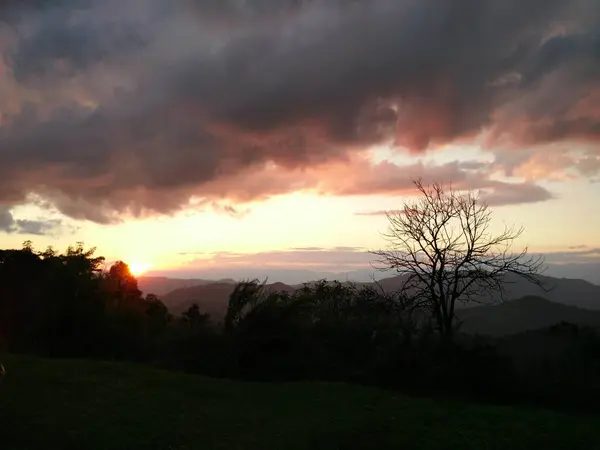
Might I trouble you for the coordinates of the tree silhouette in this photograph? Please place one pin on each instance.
(157, 313)
(194, 317)
(445, 248)
(122, 284)
(244, 297)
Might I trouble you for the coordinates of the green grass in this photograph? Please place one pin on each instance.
(58, 404)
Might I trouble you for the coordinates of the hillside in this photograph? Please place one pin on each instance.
(163, 285)
(573, 292)
(589, 271)
(524, 314)
(91, 405)
(211, 298)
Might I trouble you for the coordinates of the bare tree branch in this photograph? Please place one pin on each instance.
(443, 245)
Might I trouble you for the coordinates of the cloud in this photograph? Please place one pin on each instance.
(38, 227)
(515, 193)
(337, 259)
(576, 255)
(41, 227)
(149, 106)
(333, 259)
(230, 210)
(358, 175)
(379, 212)
(300, 265)
(492, 192)
(589, 165)
(553, 163)
(7, 222)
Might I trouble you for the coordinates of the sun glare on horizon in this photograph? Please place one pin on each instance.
(139, 268)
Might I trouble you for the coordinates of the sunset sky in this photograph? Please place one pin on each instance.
(187, 135)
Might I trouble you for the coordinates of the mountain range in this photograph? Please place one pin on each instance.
(524, 314)
(588, 271)
(163, 285)
(526, 306)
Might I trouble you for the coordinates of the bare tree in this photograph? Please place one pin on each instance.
(444, 246)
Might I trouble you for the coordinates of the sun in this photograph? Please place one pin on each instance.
(139, 268)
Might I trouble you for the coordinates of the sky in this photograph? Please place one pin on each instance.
(189, 136)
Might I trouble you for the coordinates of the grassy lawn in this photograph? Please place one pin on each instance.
(57, 404)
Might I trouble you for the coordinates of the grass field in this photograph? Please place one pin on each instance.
(58, 404)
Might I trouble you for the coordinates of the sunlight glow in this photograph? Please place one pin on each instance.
(139, 268)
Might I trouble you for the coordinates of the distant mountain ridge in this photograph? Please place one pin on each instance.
(288, 276)
(524, 314)
(163, 285)
(588, 271)
(573, 292)
(212, 297)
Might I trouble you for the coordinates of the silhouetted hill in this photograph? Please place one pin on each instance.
(589, 271)
(211, 298)
(521, 315)
(567, 291)
(163, 285)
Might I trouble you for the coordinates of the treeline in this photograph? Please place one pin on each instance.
(71, 305)
(68, 305)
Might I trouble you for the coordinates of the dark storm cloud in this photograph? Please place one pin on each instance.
(80, 45)
(438, 59)
(138, 106)
(565, 49)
